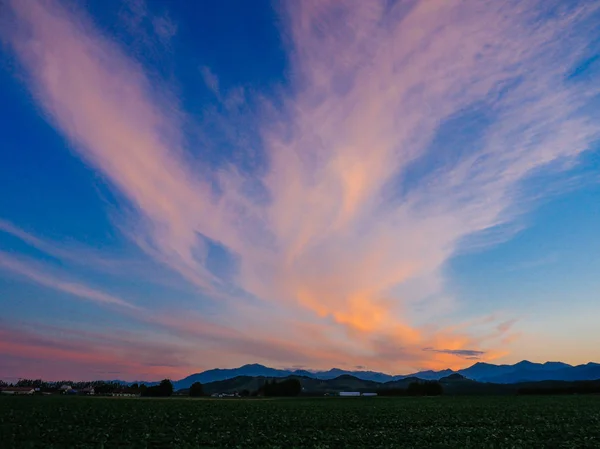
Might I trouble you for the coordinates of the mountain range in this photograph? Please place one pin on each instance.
(523, 371)
(452, 385)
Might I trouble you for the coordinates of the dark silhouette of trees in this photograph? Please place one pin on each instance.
(285, 388)
(33, 383)
(107, 388)
(425, 389)
(392, 392)
(196, 390)
(164, 389)
(429, 388)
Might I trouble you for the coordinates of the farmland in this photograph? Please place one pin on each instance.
(443, 422)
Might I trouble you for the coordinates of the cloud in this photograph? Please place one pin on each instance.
(123, 262)
(67, 252)
(151, 31)
(24, 269)
(358, 197)
(164, 28)
(103, 103)
(74, 354)
(210, 79)
(534, 263)
(465, 353)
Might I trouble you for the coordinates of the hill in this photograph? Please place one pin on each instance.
(524, 371)
(214, 375)
(453, 385)
(310, 385)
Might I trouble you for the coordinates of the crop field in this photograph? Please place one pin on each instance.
(444, 422)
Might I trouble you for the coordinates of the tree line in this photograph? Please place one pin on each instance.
(292, 387)
(99, 386)
(285, 388)
(430, 388)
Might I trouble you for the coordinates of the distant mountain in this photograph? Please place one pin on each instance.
(344, 382)
(524, 371)
(214, 375)
(536, 372)
(256, 370)
(127, 382)
(454, 384)
(335, 372)
(482, 370)
(453, 378)
(430, 375)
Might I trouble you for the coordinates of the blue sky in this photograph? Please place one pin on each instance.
(190, 185)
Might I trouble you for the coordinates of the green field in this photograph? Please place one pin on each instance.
(476, 422)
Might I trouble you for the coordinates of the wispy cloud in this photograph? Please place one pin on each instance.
(119, 263)
(359, 195)
(466, 353)
(210, 79)
(152, 31)
(164, 27)
(10, 263)
(76, 354)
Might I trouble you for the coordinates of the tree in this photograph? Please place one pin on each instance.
(166, 387)
(287, 387)
(196, 390)
(431, 388)
(106, 388)
(33, 383)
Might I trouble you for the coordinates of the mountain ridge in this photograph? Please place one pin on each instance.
(453, 385)
(524, 371)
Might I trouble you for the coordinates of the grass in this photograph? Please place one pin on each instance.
(446, 422)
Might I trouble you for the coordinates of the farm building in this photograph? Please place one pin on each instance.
(369, 394)
(125, 393)
(349, 393)
(17, 390)
(225, 395)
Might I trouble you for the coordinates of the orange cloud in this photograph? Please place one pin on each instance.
(342, 224)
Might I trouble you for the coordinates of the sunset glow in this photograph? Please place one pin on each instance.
(396, 185)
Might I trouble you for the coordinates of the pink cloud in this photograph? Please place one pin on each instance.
(69, 354)
(338, 236)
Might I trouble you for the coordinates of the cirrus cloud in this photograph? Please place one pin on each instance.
(359, 199)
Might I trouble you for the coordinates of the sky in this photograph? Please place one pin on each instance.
(392, 185)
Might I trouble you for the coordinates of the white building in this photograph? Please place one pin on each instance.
(349, 393)
(17, 390)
